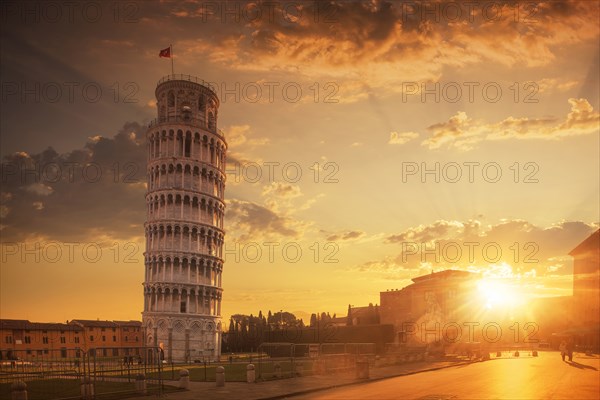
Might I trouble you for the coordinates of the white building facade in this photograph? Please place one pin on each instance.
(184, 224)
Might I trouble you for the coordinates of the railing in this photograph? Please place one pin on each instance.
(286, 360)
(188, 121)
(189, 78)
(58, 373)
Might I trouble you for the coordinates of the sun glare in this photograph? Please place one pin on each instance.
(496, 294)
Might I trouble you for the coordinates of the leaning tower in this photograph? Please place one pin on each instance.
(184, 223)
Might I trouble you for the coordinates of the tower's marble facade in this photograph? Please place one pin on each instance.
(184, 224)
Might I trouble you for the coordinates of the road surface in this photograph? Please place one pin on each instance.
(543, 377)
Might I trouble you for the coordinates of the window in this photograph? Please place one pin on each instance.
(45, 339)
(27, 339)
(28, 351)
(137, 339)
(8, 339)
(46, 351)
(114, 329)
(114, 338)
(76, 339)
(125, 329)
(63, 339)
(115, 352)
(91, 338)
(63, 352)
(182, 308)
(103, 338)
(102, 329)
(125, 338)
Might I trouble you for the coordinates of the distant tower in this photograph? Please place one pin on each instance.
(184, 223)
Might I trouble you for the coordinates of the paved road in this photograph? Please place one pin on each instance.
(544, 377)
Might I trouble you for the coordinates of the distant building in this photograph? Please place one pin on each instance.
(111, 335)
(436, 298)
(24, 339)
(586, 280)
(367, 315)
(586, 292)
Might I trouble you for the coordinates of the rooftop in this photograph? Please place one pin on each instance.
(592, 243)
(188, 78)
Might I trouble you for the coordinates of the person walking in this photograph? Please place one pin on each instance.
(563, 349)
(569, 349)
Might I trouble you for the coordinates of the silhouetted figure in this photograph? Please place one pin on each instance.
(569, 349)
(563, 349)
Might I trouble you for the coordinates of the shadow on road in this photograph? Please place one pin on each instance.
(581, 366)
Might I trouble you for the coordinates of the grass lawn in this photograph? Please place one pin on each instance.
(61, 388)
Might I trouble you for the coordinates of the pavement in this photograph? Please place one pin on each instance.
(283, 388)
(543, 377)
(526, 377)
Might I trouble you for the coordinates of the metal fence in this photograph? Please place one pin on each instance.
(60, 373)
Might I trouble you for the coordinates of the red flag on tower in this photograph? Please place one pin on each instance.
(168, 53)
(165, 52)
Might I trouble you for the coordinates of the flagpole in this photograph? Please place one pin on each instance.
(172, 69)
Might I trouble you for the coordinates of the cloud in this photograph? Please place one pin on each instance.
(471, 245)
(464, 133)
(344, 236)
(427, 233)
(401, 138)
(237, 135)
(39, 189)
(386, 43)
(91, 192)
(281, 189)
(533, 257)
(250, 221)
(554, 84)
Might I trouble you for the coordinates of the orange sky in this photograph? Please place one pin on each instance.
(348, 105)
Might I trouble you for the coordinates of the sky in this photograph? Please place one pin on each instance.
(370, 142)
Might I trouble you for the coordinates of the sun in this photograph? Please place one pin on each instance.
(495, 294)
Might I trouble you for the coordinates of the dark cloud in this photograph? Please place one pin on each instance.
(86, 194)
(251, 221)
